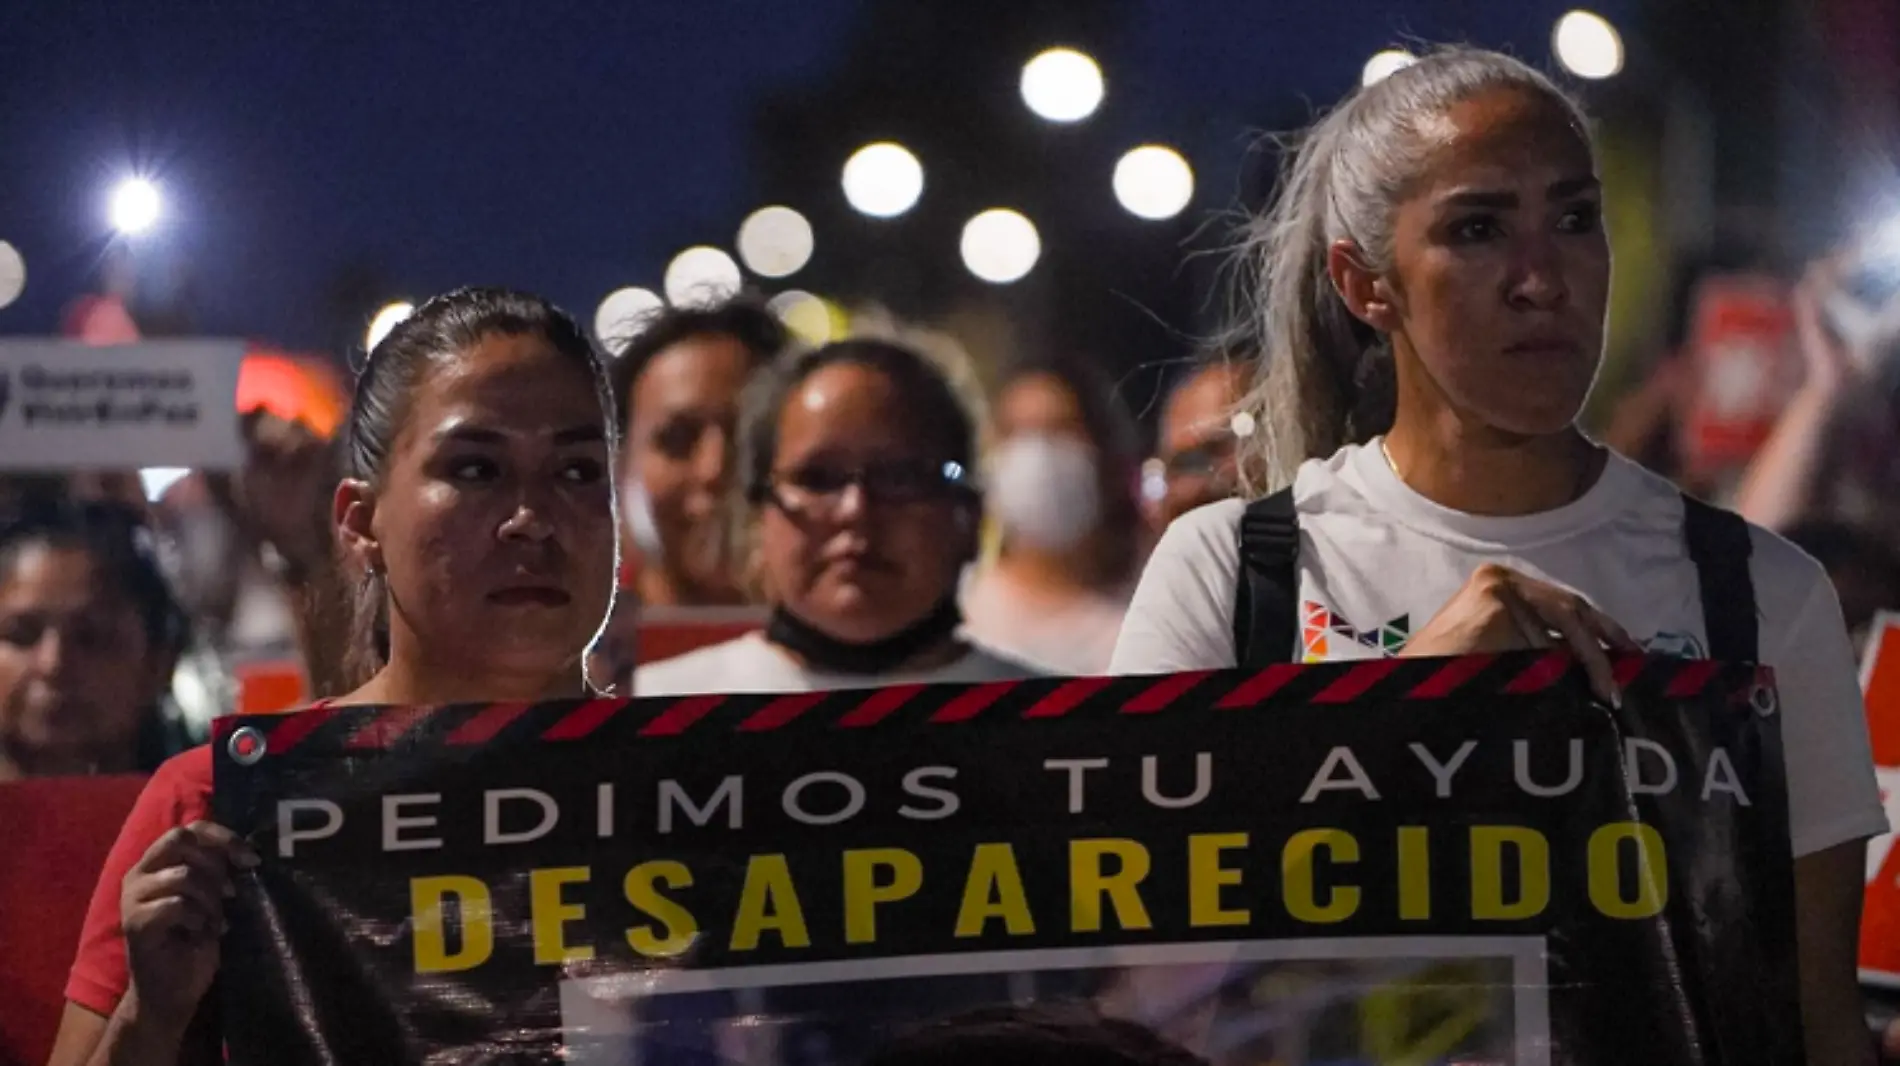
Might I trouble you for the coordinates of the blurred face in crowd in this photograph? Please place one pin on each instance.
(1040, 403)
(681, 414)
(77, 667)
(1049, 486)
(1197, 443)
(492, 521)
(1501, 273)
(862, 536)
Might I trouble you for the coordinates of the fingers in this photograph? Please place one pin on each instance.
(1539, 609)
(176, 917)
(1590, 634)
(187, 884)
(1588, 648)
(199, 842)
(1524, 618)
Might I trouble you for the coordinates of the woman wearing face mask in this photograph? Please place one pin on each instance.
(89, 633)
(477, 517)
(1062, 489)
(855, 464)
(1433, 283)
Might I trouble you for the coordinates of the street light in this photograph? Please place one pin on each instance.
(1154, 182)
(623, 314)
(135, 206)
(387, 319)
(701, 275)
(883, 180)
(1062, 85)
(775, 242)
(1000, 246)
(1385, 64)
(807, 316)
(1587, 45)
(12, 274)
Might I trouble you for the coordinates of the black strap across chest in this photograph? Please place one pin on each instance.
(1266, 596)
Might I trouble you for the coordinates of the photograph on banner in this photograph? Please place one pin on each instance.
(1308, 846)
(1342, 1001)
(71, 406)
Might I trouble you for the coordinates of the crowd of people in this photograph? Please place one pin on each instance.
(504, 500)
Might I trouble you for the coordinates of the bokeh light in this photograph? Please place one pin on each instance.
(1385, 64)
(387, 319)
(775, 242)
(1062, 85)
(135, 206)
(883, 180)
(1587, 45)
(701, 275)
(623, 313)
(812, 318)
(1154, 182)
(1000, 246)
(12, 273)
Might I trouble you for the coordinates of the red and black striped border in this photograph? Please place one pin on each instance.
(351, 730)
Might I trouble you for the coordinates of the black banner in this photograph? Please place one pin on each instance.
(1395, 861)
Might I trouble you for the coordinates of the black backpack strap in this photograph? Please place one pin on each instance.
(1266, 594)
(1719, 546)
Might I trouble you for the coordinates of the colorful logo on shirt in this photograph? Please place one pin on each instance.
(1326, 635)
(1679, 645)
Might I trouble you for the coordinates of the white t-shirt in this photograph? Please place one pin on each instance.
(1378, 560)
(1070, 637)
(752, 664)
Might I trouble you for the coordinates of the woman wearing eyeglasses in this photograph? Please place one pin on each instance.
(859, 515)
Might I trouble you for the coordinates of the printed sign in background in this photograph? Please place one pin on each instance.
(1333, 863)
(71, 406)
(1739, 341)
(1880, 919)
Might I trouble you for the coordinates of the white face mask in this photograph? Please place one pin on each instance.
(636, 511)
(1045, 491)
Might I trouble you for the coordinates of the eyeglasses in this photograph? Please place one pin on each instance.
(817, 488)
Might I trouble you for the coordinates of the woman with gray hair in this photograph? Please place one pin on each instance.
(1431, 286)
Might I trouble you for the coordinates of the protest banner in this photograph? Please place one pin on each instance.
(1461, 860)
(1880, 914)
(72, 406)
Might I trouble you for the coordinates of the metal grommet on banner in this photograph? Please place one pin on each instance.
(1764, 700)
(246, 746)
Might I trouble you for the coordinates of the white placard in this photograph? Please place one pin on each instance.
(67, 406)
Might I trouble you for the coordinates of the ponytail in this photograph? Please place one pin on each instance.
(1326, 379)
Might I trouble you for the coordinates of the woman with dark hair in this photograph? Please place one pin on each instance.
(678, 382)
(1433, 280)
(476, 518)
(1062, 488)
(89, 634)
(860, 512)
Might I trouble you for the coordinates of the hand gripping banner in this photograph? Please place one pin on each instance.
(1400, 861)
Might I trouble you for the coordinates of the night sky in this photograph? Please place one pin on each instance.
(563, 147)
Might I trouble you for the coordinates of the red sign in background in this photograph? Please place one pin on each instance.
(1880, 923)
(58, 831)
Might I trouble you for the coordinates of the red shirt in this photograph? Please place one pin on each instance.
(178, 794)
